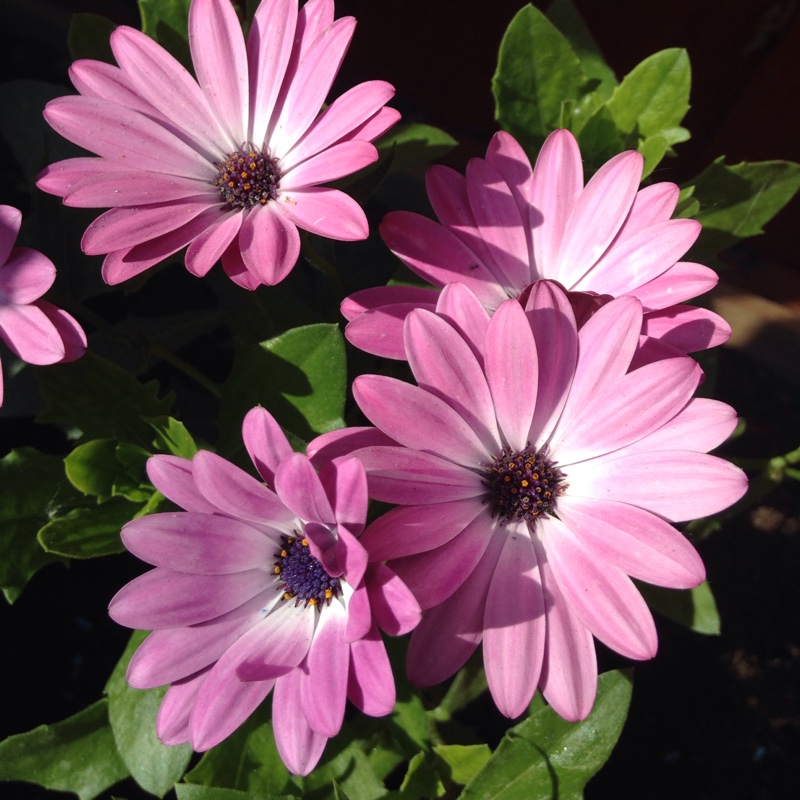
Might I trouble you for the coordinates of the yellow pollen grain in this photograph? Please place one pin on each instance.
(304, 542)
(328, 594)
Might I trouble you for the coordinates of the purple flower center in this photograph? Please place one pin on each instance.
(524, 485)
(303, 576)
(247, 178)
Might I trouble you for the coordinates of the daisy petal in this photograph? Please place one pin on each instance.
(371, 684)
(326, 212)
(269, 244)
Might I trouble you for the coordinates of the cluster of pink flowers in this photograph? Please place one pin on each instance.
(537, 466)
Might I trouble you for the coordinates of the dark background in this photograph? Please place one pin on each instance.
(712, 717)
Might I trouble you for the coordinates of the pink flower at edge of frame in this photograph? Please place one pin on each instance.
(36, 331)
(225, 631)
(173, 181)
(624, 453)
(505, 224)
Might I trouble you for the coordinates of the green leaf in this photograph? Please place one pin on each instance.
(88, 532)
(113, 409)
(463, 760)
(172, 437)
(537, 72)
(92, 467)
(76, 755)
(546, 757)
(35, 490)
(654, 96)
(299, 376)
(172, 14)
(421, 781)
(736, 201)
(88, 37)
(692, 608)
(414, 143)
(132, 714)
(247, 760)
(566, 17)
(186, 791)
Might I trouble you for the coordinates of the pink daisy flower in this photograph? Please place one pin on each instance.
(534, 472)
(258, 589)
(504, 225)
(35, 330)
(228, 165)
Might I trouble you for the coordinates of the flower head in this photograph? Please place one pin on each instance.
(258, 589)
(229, 164)
(35, 330)
(534, 471)
(504, 225)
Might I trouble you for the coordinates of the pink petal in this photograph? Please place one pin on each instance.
(314, 18)
(511, 371)
(597, 216)
(323, 692)
(108, 82)
(406, 530)
(223, 704)
(63, 176)
(220, 63)
(158, 78)
(201, 544)
(380, 330)
(172, 476)
(378, 296)
(299, 746)
(514, 624)
(606, 344)
(445, 366)
(119, 265)
(125, 227)
(557, 184)
(506, 155)
(410, 477)
(70, 332)
(449, 633)
(553, 324)
(569, 668)
(208, 247)
(236, 493)
(701, 426)
(686, 328)
(376, 125)
(265, 441)
(343, 442)
(437, 255)
(499, 224)
(464, 311)
(682, 281)
(269, 47)
(345, 484)
(359, 615)
(653, 204)
(125, 137)
(352, 556)
(127, 188)
(326, 212)
(163, 598)
(343, 116)
(627, 409)
(172, 723)
(25, 275)
(602, 597)
(438, 429)
(676, 485)
(434, 576)
(633, 540)
(274, 646)
(394, 606)
(298, 486)
(30, 335)
(310, 84)
(236, 270)
(171, 654)
(335, 162)
(640, 258)
(269, 244)
(371, 683)
(10, 222)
